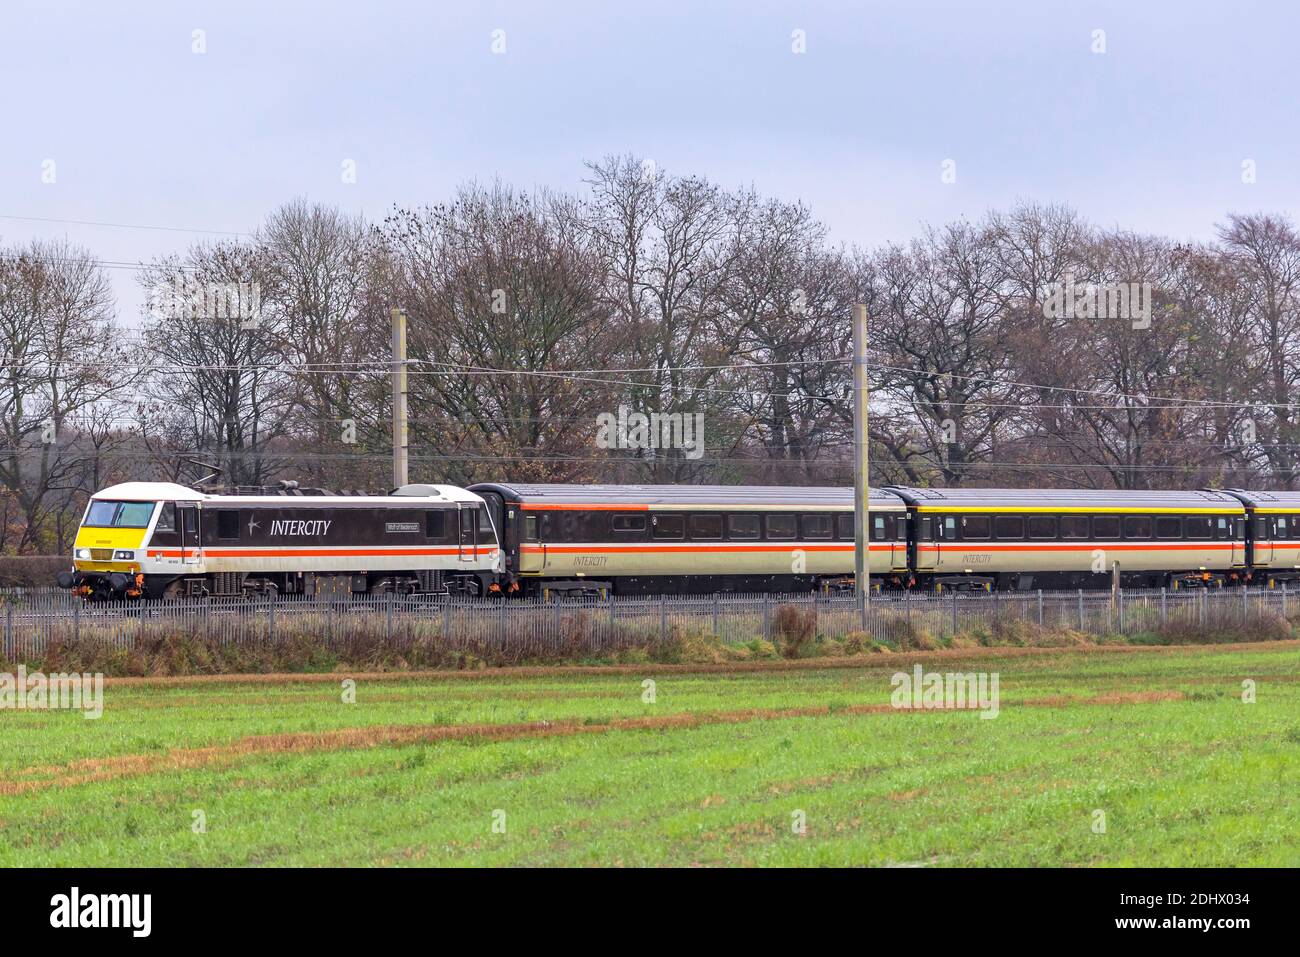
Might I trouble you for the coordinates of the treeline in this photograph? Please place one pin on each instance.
(1027, 348)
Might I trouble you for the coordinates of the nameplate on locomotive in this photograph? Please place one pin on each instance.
(401, 526)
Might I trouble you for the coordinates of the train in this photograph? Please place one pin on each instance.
(154, 540)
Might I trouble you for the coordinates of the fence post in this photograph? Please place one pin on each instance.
(270, 620)
(1284, 599)
(1081, 626)
(1245, 592)
(1120, 592)
(767, 629)
(10, 649)
(716, 633)
(1163, 614)
(76, 622)
(1040, 608)
(663, 617)
(954, 613)
(390, 618)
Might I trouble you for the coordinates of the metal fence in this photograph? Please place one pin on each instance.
(32, 619)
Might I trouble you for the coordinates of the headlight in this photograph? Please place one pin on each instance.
(83, 553)
(124, 555)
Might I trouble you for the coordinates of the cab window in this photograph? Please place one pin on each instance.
(104, 514)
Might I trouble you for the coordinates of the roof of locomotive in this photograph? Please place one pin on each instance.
(1047, 499)
(172, 492)
(688, 496)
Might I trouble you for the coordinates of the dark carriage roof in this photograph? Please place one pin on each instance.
(1268, 500)
(1047, 498)
(684, 495)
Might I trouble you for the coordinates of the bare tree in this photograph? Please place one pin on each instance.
(63, 364)
(1264, 252)
(216, 378)
(502, 291)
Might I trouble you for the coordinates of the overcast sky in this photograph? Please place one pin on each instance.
(1150, 134)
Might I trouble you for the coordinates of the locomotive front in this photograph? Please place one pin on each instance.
(109, 556)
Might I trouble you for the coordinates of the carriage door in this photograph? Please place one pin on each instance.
(1263, 539)
(187, 528)
(927, 541)
(896, 528)
(468, 532)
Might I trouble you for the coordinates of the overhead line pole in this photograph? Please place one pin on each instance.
(400, 472)
(861, 470)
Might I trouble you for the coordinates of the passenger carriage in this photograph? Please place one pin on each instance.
(1046, 538)
(690, 538)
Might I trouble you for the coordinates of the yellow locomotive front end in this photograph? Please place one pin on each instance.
(108, 556)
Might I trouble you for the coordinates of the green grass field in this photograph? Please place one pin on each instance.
(581, 771)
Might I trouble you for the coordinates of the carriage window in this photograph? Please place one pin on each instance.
(1137, 526)
(119, 514)
(1042, 526)
(166, 519)
(844, 526)
(668, 526)
(878, 528)
(1221, 528)
(627, 522)
(530, 528)
(706, 526)
(1074, 526)
(1105, 526)
(781, 526)
(1009, 526)
(948, 528)
(1169, 526)
(435, 524)
(816, 526)
(1198, 526)
(742, 526)
(975, 526)
(1281, 525)
(227, 523)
